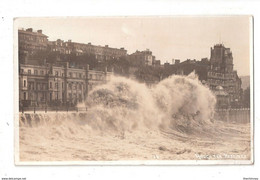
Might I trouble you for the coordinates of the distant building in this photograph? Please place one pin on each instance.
(188, 66)
(29, 42)
(47, 85)
(176, 61)
(101, 53)
(60, 46)
(221, 73)
(141, 58)
(157, 63)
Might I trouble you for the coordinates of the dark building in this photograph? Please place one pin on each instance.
(157, 63)
(188, 66)
(141, 58)
(221, 59)
(221, 73)
(60, 46)
(30, 42)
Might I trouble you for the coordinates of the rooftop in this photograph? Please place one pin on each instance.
(31, 32)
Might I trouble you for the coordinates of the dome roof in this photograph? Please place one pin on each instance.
(219, 88)
(220, 91)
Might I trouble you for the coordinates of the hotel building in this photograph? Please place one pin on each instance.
(48, 84)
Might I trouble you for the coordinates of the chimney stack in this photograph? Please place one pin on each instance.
(177, 61)
(39, 31)
(29, 30)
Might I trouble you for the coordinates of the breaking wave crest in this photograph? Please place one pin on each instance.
(179, 103)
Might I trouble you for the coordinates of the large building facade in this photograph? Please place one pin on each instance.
(141, 58)
(59, 84)
(221, 73)
(30, 41)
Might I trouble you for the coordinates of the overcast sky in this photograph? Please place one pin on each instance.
(167, 37)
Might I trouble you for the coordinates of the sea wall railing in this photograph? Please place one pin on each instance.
(241, 115)
(51, 109)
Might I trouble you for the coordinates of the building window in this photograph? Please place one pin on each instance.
(42, 73)
(24, 83)
(80, 98)
(80, 75)
(62, 85)
(29, 71)
(24, 96)
(56, 73)
(35, 72)
(90, 87)
(56, 85)
(70, 74)
(50, 84)
(90, 76)
(21, 71)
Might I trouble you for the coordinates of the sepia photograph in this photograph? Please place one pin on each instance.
(133, 90)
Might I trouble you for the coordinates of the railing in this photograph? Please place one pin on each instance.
(233, 115)
(52, 109)
(226, 115)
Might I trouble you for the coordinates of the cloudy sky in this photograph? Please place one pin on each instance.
(167, 37)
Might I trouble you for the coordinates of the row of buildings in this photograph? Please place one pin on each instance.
(101, 53)
(31, 42)
(54, 85)
(48, 82)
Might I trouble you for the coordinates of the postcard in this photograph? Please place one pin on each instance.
(133, 90)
